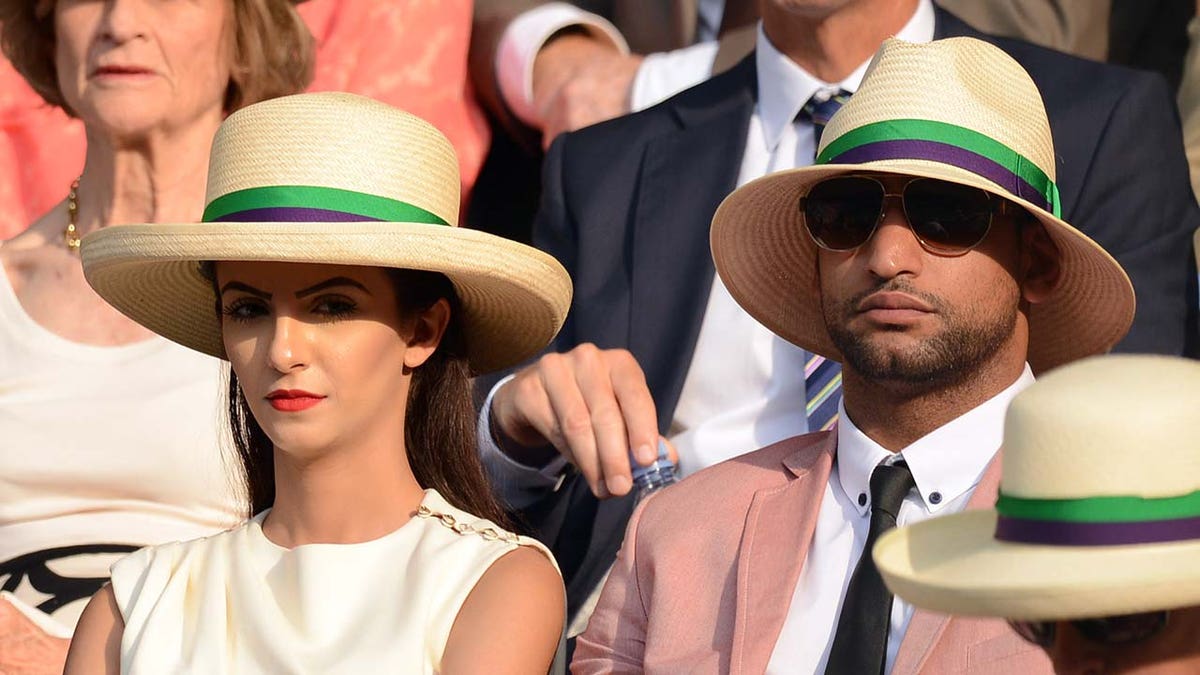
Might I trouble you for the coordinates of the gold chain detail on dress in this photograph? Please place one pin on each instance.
(488, 533)
(69, 235)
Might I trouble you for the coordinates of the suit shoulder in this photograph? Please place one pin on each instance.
(1049, 67)
(738, 82)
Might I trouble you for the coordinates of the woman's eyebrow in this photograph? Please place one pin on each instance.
(239, 286)
(331, 283)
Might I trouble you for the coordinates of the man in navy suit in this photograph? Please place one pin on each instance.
(652, 345)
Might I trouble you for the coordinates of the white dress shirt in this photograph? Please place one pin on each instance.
(946, 465)
(749, 392)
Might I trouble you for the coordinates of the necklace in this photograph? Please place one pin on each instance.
(69, 236)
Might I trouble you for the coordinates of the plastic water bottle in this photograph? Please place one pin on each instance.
(661, 473)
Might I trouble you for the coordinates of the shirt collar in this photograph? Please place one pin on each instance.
(947, 461)
(784, 87)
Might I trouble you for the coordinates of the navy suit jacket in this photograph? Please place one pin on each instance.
(626, 207)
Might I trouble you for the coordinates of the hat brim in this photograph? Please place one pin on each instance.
(514, 297)
(954, 565)
(768, 261)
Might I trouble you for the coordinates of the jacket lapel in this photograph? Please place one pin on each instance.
(685, 173)
(925, 628)
(779, 529)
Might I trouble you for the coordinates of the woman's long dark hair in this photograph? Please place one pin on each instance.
(439, 427)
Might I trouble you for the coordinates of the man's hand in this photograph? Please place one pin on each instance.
(591, 405)
(580, 80)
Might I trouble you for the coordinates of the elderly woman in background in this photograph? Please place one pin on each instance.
(411, 54)
(97, 414)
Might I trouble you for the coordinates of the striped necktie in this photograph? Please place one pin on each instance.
(822, 377)
(819, 110)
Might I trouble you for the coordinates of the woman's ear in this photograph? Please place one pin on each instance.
(1040, 268)
(428, 328)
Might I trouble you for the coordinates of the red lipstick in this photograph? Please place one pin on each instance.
(293, 400)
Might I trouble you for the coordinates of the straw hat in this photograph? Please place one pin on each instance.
(1099, 511)
(959, 110)
(339, 179)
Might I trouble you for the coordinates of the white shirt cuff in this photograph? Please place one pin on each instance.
(524, 38)
(664, 74)
(518, 485)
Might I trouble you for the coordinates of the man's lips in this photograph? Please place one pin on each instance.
(293, 400)
(892, 306)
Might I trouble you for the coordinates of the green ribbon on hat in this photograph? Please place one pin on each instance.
(947, 144)
(307, 203)
(1101, 509)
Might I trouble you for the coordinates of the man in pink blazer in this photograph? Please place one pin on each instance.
(923, 250)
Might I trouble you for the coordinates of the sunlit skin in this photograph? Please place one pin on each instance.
(1174, 651)
(928, 337)
(325, 358)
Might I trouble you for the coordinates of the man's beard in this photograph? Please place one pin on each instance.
(948, 357)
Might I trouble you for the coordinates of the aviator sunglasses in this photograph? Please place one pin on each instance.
(1110, 630)
(948, 219)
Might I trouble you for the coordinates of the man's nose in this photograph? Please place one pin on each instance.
(893, 248)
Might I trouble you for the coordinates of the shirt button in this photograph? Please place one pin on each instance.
(862, 499)
(935, 497)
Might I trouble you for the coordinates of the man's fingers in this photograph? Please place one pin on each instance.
(612, 447)
(637, 407)
(574, 435)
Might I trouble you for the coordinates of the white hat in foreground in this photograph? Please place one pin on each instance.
(338, 179)
(1099, 509)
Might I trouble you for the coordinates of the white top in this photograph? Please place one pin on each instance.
(659, 77)
(104, 445)
(237, 603)
(746, 389)
(946, 465)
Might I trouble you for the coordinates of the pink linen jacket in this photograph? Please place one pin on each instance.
(706, 575)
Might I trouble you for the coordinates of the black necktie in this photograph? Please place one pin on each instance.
(860, 646)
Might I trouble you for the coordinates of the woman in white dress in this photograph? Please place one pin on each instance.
(376, 544)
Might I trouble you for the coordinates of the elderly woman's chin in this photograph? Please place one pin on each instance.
(140, 105)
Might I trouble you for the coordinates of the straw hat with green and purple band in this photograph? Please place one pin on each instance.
(338, 179)
(1099, 507)
(959, 110)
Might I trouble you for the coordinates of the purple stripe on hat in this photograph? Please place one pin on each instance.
(1063, 533)
(291, 214)
(946, 154)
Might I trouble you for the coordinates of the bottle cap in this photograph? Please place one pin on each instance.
(662, 462)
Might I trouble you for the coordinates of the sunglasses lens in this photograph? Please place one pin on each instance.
(841, 213)
(1040, 633)
(945, 216)
(1124, 629)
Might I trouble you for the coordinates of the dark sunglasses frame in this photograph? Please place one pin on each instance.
(992, 206)
(1124, 629)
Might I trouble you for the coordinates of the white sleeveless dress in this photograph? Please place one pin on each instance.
(237, 603)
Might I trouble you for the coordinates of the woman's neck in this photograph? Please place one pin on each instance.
(157, 179)
(344, 496)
